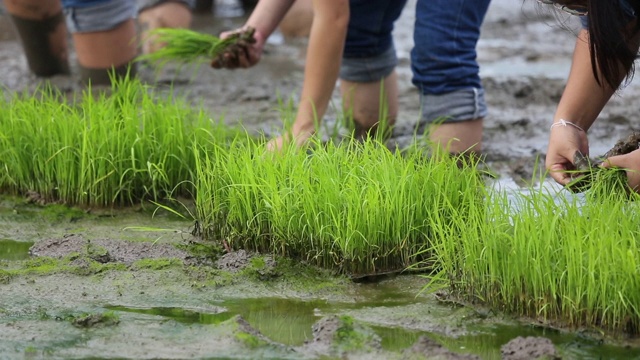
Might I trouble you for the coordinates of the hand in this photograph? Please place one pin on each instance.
(564, 143)
(245, 53)
(281, 142)
(631, 163)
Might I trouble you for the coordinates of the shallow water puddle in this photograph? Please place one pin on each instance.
(290, 321)
(282, 320)
(14, 250)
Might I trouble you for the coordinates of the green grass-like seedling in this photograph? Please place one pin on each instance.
(568, 259)
(188, 46)
(356, 207)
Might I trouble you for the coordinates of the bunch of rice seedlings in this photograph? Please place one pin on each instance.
(359, 207)
(110, 149)
(573, 260)
(188, 46)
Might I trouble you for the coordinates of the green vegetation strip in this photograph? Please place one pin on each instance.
(107, 149)
(357, 207)
(549, 256)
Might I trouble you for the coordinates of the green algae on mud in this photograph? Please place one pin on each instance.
(14, 250)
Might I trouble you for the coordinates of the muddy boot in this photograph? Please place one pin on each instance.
(43, 56)
(104, 76)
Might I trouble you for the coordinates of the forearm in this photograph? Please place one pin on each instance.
(268, 14)
(583, 98)
(323, 59)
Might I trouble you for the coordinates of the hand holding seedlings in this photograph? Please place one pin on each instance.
(603, 59)
(187, 46)
(245, 50)
(623, 155)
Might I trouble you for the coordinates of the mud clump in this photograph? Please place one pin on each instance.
(339, 335)
(433, 350)
(530, 347)
(95, 320)
(236, 261)
(106, 250)
(624, 146)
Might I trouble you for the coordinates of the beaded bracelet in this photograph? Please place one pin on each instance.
(563, 122)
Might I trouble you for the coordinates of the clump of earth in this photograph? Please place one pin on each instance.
(529, 348)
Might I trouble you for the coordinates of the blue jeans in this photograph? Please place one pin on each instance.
(369, 54)
(443, 59)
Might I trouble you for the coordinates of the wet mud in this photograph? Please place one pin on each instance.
(106, 250)
(522, 348)
(244, 305)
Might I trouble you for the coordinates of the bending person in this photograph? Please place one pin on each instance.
(349, 39)
(446, 72)
(604, 56)
(103, 31)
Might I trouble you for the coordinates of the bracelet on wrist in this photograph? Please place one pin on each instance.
(565, 123)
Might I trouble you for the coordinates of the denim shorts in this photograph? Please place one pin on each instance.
(443, 60)
(369, 69)
(457, 106)
(92, 16)
(369, 53)
(143, 4)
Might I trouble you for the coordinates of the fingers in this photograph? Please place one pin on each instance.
(236, 56)
(626, 162)
(242, 53)
(558, 172)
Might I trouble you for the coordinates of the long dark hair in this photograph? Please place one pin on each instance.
(610, 33)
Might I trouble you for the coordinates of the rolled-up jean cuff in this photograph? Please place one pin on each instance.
(99, 17)
(460, 105)
(144, 4)
(369, 69)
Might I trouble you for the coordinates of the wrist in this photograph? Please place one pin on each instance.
(567, 123)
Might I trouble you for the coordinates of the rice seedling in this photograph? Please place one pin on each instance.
(104, 150)
(573, 260)
(188, 46)
(357, 207)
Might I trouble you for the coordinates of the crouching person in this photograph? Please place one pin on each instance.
(103, 33)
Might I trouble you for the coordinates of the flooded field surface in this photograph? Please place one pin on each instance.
(82, 291)
(131, 283)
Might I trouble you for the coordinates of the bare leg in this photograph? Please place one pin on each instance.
(459, 137)
(371, 104)
(164, 15)
(100, 51)
(41, 27)
(297, 21)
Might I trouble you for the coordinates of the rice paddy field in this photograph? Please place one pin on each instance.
(148, 220)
